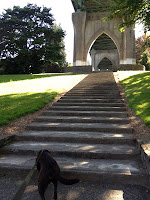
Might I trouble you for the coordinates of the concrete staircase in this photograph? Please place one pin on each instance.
(88, 133)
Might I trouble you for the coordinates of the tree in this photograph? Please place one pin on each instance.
(140, 46)
(56, 48)
(145, 59)
(29, 38)
(131, 11)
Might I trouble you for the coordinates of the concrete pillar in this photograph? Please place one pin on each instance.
(79, 21)
(123, 48)
(93, 59)
(130, 46)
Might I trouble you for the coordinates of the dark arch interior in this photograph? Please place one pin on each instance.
(103, 42)
(105, 64)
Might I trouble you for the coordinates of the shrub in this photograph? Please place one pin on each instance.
(53, 68)
(145, 59)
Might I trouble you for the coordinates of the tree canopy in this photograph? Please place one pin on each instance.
(29, 38)
(140, 46)
(145, 59)
(142, 51)
(132, 11)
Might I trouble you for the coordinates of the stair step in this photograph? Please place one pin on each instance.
(85, 113)
(87, 100)
(87, 108)
(80, 150)
(94, 90)
(95, 86)
(74, 137)
(89, 170)
(58, 103)
(79, 119)
(92, 127)
(109, 97)
(91, 92)
(87, 131)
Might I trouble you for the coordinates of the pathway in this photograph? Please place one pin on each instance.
(88, 133)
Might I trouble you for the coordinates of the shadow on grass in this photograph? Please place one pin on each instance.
(137, 89)
(21, 77)
(16, 105)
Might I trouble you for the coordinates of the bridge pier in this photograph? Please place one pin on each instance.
(79, 20)
(88, 27)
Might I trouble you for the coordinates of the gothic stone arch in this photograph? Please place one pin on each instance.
(89, 26)
(105, 65)
(98, 55)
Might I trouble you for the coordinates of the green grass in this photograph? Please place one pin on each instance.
(24, 94)
(17, 105)
(137, 89)
(21, 77)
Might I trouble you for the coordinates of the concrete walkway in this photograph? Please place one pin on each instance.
(88, 133)
(82, 191)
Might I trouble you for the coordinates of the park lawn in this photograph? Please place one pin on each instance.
(14, 106)
(137, 90)
(24, 94)
(21, 77)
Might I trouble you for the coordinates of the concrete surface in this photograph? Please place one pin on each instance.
(10, 183)
(86, 119)
(74, 137)
(56, 126)
(95, 150)
(80, 148)
(89, 191)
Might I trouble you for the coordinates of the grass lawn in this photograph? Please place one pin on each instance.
(24, 94)
(21, 77)
(137, 89)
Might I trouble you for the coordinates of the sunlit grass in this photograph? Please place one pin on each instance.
(17, 105)
(24, 94)
(137, 89)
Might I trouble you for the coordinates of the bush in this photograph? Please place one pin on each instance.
(18, 65)
(53, 68)
(145, 59)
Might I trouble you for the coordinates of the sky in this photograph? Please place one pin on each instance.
(62, 11)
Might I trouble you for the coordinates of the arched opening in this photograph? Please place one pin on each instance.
(105, 65)
(88, 27)
(104, 52)
(103, 42)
